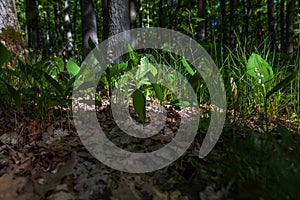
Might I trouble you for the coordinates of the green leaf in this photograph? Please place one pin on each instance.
(59, 62)
(72, 67)
(260, 69)
(187, 29)
(158, 91)
(142, 71)
(139, 103)
(4, 54)
(197, 19)
(13, 92)
(282, 84)
(188, 67)
(54, 83)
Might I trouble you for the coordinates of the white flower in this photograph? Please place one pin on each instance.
(255, 70)
(259, 81)
(263, 85)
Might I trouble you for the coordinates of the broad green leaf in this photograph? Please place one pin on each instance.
(13, 92)
(139, 103)
(282, 84)
(72, 68)
(117, 69)
(152, 69)
(54, 83)
(4, 54)
(188, 67)
(142, 71)
(158, 91)
(59, 64)
(260, 69)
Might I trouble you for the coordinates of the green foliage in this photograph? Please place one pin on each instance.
(260, 70)
(139, 103)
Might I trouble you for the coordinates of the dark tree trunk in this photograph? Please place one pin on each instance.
(223, 21)
(32, 28)
(247, 14)
(290, 28)
(232, 23)
(105, 15)
(160, 13)
(271, 22)
(75, 10)
(89, 25)
(70, 50)
(282, 26)
(259, 24)
(201, 32)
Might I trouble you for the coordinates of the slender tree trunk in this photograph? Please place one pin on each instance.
(290, 28)
(232, 23)
(271, 22)
(48, 36)
(58, 37)
(223, 21)
(282, 26)
(75, 20)
(132, 14)
(160, 13)
(259, 24)
(105, 15)
(89, 25)
(70, 50)
(247, 14)
(202, 14)
(32, 26)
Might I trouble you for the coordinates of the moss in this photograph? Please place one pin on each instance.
(12, 36)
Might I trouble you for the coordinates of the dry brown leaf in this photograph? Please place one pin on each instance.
(10, 186)
(35, 130)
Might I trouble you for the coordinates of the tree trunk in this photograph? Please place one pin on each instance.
(202, 14)
(132, 14)
(58, 37)
(70, 50)
(32, 27)
(259, 24)
(105, 15)
(119, 21)
(282, 26)
(10, 35)
(290, 28)
(223, 21)
(271, 22)
(232, 23)
(89, 25)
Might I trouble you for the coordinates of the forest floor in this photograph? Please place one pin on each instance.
(45, 159)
